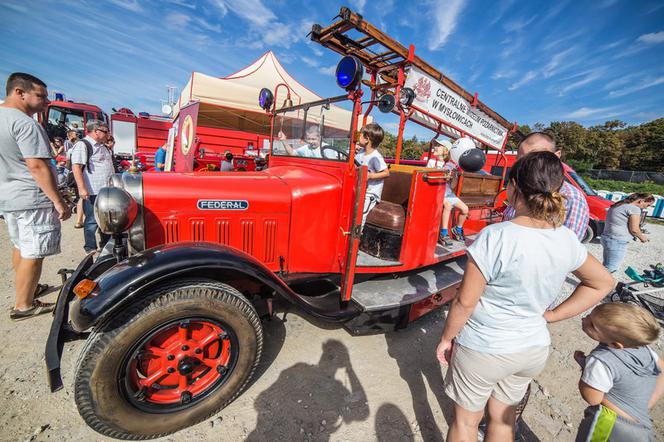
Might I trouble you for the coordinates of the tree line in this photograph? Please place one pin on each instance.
(612, 145)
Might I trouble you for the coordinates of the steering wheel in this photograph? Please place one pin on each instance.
(340, 153)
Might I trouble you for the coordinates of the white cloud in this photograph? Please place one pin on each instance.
(527, 78)
(130, 5)
(608, 46)
(584, 81)
(177, 19)
(590, 113)
(556, 9)
(518, 24)
(254, 11)
(330, 70)
(182, 3)
(606, 3)
(359, 5)
(645, 84)
(556, 60)
(446, 16)
(221, 7)
(506, 73)
(310, 62)
(503, 7)
(652, 38)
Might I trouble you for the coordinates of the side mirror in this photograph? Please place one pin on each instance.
(406, 96)
(386, 103)
(265, 99)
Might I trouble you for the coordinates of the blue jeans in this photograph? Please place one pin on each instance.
(90, 226)
(614, 251)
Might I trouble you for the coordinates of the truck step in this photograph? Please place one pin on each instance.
(398, 289)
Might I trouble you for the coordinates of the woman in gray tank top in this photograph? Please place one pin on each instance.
(622, 224)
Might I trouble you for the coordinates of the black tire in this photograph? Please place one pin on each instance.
(589, 235)
(101, 393)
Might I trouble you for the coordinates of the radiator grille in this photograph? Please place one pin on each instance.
(248, 236)
(223, 231)
(197, 230)
(270, 240)
(171, 230)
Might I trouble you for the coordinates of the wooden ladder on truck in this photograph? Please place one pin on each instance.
(386, 60)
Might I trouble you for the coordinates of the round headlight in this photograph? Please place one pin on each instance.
(115, 210)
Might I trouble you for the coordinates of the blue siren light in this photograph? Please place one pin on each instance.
(349, 72)
(59, 96)
(265, 99)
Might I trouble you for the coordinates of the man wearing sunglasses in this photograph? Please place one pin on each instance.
(92, 164)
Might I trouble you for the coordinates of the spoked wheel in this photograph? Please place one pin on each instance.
(168, 362)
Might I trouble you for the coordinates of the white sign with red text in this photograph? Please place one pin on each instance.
(440, 101)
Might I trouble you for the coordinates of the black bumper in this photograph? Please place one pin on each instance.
(56, 336)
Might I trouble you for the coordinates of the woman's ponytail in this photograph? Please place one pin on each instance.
(547, 206)
(538, 177)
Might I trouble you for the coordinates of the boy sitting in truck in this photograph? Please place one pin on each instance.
(371, 136)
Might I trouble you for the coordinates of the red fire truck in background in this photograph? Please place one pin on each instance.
(597, 205)
(141, 135)
(63, 115)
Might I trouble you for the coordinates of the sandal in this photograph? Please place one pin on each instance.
(38, 308)
(78, 226)
(40, 290)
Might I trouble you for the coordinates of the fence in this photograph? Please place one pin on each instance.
(630, 176)
(655, 211)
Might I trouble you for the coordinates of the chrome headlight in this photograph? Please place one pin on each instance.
(115, 210)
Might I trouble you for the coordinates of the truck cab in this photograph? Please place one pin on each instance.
(61, 116)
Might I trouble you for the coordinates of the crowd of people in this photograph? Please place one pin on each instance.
(495, 339)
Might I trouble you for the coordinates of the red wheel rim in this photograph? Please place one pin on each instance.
(180, 362)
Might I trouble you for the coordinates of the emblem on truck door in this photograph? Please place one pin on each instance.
(223, 204)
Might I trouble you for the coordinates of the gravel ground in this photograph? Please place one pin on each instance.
(305, 390)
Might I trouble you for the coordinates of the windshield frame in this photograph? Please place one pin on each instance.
(306, 107)
(582, 183)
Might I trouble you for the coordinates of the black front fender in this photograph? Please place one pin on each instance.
(126, 281)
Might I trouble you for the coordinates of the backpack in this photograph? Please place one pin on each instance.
(88, 151)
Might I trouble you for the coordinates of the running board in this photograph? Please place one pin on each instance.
(390, 302)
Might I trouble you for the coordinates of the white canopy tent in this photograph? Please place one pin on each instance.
(232, 102)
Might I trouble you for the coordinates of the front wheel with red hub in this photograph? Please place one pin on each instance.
(169, 361)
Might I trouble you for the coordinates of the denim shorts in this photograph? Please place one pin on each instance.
(34, 232)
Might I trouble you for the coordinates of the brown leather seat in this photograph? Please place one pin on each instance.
(388, 216)
(390, 212)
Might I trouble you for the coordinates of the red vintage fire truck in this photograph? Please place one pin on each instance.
(171, 303)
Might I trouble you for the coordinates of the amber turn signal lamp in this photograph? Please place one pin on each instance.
(84, 288)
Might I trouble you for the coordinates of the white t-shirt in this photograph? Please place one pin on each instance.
(375, 163)
(435, 163)
(598, 376)
(307, 152)
(525, 269)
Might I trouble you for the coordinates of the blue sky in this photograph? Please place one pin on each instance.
(587, 61)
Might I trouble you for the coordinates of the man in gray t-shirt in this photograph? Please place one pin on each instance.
(29, 198)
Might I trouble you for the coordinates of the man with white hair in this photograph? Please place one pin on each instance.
(92, 164)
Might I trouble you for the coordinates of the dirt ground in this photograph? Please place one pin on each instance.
(313, 383)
